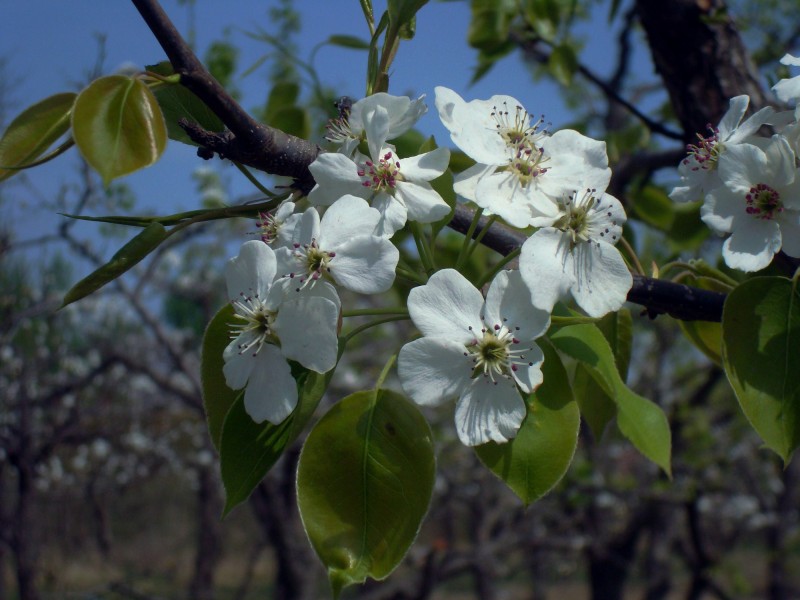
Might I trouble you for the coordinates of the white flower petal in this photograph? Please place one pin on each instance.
(446, 307)
(251, 272)
(365, 264)
(432, 371)
(752, 245)
(529, 376)
(489, 412)
(508, 302)
(306, 327)
(546, 267)
(465, 183)
(349, 216)
(271, 393)
(423, 203)
(501, 194)
(336, 175)
(393, 214)
(237, 367)
(602, 280)
(376, 124)
(425, 167)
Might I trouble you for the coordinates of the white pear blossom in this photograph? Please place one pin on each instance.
(274, 324)
(397, 188)
(277, 227)
(521, 170)
(349, 129)
(788, 90)
(698, 170)
(758, 204)
(481, 353)
(577, 256)
(343, 246)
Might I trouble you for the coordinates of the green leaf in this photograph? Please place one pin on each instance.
(539, 456)
(126, 257)
(217, 396)
(349, 41)
(563, 63)
(640, 420)
(705, 335)
(761, 355)
(292, 120)
(249, 449)
(402, 13)
(177, 102)
(490, 25)
(364, 482)
(118, 126)
(597, 407)
(33, 131)
(281, 96)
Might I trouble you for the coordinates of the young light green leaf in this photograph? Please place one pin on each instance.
(126, 257)
(639, 419)
(249, 449)
(539, 456)
(761, 356)
(118, 126)
(217, 396)
(33, 131)
(364, 482)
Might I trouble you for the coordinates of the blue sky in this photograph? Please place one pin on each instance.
(53, 54)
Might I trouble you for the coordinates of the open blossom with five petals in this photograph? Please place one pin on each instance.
(758, 204)
(481, 353)
(520, 170)
(698, 170)
(397, 188)
(274, 324)
(343, 246)
(577, 256)
(349, 129)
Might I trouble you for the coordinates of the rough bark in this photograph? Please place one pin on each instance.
(701, 58)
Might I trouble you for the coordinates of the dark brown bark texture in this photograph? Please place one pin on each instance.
(701, 58)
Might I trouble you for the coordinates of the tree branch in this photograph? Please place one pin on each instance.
(277, 153)
(247, 141)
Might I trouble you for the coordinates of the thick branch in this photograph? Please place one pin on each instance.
(248, 141)
(701, 59)
(657, 296)
(275, 152)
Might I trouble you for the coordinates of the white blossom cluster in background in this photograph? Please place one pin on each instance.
(480, 352)
(749, 184)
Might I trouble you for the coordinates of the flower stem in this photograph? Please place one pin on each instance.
(385, 371)
(372, 324)
(367, 312)
(422, 248)
(467, 237)
(252, 179)
(477, 241)
(632, 255)
(498, 267)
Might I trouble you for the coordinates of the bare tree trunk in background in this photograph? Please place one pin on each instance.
(273, 503)
(209, 535)
(701, 58)
(23, 543)
(779, 586)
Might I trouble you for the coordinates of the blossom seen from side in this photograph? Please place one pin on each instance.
(272, 326)
(342, 246)
(577, 257)
(788, 90)
(758, 204)
(480, 353)
(397, 188)
(698, 171)
(349, 129)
